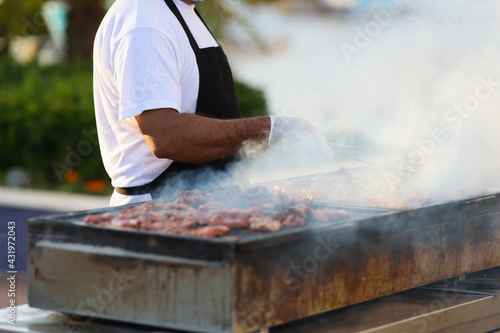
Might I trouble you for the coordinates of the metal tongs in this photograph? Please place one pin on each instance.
(369, 156)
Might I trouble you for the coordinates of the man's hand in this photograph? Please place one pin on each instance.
(190, 138)
(298, 140)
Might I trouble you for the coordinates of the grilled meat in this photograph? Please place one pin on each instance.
(264, 223)
(193, 214)
(211, 231)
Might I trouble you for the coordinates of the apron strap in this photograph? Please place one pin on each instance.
(206, 26)
(179, 17)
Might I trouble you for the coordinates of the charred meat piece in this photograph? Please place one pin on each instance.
(233, 218)
(124, 222)
(181, 217)
(189, 221)
(134, 212)
(211, 231)
(165, 227)
(98, 218)
(234, 223)
(193, 198)
(176, 231)
(293, 216)
(175, 206)
(209, 206)
(264, 223)
(150, 217)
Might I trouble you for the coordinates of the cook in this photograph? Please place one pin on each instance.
(165, 100)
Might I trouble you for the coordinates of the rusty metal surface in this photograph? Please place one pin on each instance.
(266, 280)
(330, 269)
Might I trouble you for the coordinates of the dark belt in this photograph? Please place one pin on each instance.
(135, 190)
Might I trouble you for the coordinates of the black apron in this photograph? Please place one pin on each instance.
(216, 98)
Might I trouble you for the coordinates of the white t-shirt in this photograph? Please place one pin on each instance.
(142, 61)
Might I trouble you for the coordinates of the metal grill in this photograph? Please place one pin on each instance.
(258, 280)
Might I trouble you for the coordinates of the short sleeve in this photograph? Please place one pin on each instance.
(146, 74)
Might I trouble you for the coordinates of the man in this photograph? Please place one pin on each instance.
(164, 98)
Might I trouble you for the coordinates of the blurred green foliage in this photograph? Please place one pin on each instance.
(221, 16)
(21, 18)
(24, 18)
(252, 100)
(48, 123)
(44, 111)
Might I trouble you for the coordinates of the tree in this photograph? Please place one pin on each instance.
(24, 17)
(21, 18)
(83, 20)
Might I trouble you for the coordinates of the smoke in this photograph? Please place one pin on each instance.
(436, 95)
(416, 79)
(419, 80)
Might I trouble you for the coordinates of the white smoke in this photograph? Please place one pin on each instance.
(417, 79)
(438, 83)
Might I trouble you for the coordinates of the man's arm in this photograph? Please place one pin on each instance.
(190, 138)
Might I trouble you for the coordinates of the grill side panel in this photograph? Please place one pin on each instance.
(111, 283)
(334, 268)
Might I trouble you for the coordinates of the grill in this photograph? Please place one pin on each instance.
(255, 280)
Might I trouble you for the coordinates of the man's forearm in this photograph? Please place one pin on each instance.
(190, 138)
